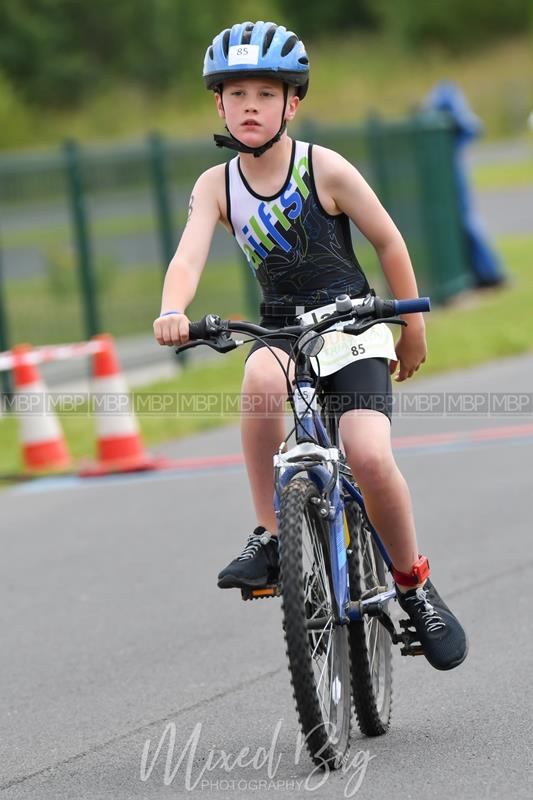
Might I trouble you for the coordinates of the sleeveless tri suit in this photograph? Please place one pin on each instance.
(303, 258)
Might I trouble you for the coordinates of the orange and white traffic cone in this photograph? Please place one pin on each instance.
(43, 443)
(119, 443)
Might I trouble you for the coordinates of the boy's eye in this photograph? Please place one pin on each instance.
(263, 93)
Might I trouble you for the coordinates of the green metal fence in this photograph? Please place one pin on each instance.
(86, 233)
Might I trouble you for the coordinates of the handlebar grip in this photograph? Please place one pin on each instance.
(206, 328)
(197, 330)
(413, 306)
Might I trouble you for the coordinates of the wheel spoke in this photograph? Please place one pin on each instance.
(322, 632)
(322, 607)
(326, 662)
(317, 559)
(375, 632)
(312, 581)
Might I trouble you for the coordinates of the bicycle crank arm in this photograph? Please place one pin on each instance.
(372, 606)
(408, 638)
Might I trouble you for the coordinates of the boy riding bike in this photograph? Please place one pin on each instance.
(288, 204)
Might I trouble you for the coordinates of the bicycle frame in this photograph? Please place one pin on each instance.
(321, 464)
(314, 453)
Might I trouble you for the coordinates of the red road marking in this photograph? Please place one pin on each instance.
(483, 434)
(399, 443)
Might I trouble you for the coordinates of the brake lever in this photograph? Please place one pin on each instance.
(364, 326)
(182, 347)
(222, 344)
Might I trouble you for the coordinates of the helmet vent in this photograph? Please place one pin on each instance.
(267, 41)
(289, 45)
(211, 56)
(247, 34)
(303, 60)
(225, 42)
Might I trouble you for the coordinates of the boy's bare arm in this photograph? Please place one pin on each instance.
(187, 264)
(344, 189)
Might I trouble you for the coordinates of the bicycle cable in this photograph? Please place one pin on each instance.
(292, 355)
(284, 370)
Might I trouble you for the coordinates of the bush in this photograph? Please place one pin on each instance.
(455, 24)
(59, 52)
(311, 18)
(15, 118)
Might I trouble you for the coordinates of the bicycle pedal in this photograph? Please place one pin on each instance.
(249, 593)
(412, 650)
(408, 639)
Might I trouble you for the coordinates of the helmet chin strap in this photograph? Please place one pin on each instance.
(235, 144)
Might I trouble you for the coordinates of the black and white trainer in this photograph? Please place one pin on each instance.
(257, 565)
(440, 633)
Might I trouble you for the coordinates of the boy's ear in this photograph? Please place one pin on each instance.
(292, 106)
(220, 106)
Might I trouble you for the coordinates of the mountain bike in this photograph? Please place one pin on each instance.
(334, 568)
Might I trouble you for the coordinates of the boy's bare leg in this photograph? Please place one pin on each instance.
(367, 442)
(366, 439)
(263, 430)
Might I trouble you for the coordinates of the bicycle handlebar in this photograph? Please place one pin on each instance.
(213, 331)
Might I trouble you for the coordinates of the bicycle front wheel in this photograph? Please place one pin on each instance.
(317, 647)
(370, 642)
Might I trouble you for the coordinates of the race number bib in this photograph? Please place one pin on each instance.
(340, 349)
(243, 54)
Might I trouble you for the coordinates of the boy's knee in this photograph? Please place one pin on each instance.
(371, 467)
(263, 381)
(264, 385)
(263, 372)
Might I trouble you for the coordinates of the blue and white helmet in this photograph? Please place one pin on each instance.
(255, 49)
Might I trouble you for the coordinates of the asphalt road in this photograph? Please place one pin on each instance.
(113, 630)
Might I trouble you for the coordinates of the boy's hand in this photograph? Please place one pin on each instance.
(411, 350)
(172, 329)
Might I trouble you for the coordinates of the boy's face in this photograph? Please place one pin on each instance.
(252, 108)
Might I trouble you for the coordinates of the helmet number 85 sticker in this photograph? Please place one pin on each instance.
(243, 54)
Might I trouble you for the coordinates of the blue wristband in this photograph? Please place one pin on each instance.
(170, 312)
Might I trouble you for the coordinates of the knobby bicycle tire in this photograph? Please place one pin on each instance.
(370, 642)
(306, 592)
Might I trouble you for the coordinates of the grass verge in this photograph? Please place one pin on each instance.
(58, 317)
(503, 176)
(488, 324)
